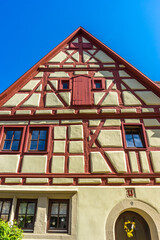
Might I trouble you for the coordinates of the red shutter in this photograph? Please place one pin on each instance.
(81, 91)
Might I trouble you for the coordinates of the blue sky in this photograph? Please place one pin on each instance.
(31, 28)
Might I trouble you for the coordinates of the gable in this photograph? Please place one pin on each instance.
(81, 57)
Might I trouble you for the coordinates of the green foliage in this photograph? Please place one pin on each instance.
(10, 231)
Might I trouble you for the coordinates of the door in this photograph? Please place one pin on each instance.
(131, 226)
(81, 91)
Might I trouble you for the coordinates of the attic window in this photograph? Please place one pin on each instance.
(64, 85)
(98, 84)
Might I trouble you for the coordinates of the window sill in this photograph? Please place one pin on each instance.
(97, 89)
(67, 89)
(135, 149)
(36, 152)
(9, 152)
(27, 231)
(58, 232)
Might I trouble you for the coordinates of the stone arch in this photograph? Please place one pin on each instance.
(151, 216)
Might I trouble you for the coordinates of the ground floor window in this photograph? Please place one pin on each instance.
(26, 214)
(58, 215)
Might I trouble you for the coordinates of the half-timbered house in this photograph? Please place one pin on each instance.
(80, 147)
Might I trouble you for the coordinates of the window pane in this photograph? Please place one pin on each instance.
(6, 207)
(21, 221)
(17, 135)
(137, 140)
(65, 85)
(129, 140)
(22, 208)
(43, 134)
(62, 222)
(33, 145)
(29, 220)
(9, 134)
(98, 84)
(53, 222)
(63, 208)
(31, 208)
(7, 145)
(15, 145)
(35, 134)
(41, 145)
(54, 209)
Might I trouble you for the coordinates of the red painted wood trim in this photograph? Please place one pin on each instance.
(80, 175)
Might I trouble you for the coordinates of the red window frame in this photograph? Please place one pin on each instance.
(141, 129)
(3, 200)
(19, 201)
(3, 137)
(63, 81)
(58, 215)
(101, 81)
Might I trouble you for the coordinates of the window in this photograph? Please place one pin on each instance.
(5, 208)
(38, 139)
(98, 84)
(58, 215)
(26, 213)
(65, 84)
(134, 137)
(12, 138)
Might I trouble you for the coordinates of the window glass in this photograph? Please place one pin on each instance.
(17, 135)
(5, 207)
(12, 140)
(41, 145)
(58, 215)
(65, 84)
(7, 145)
(98, 83)
(35, 134)
(26, 210)
(9, 134)
(15, 145)
(33, 145)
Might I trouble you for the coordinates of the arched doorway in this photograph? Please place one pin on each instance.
(131, 226)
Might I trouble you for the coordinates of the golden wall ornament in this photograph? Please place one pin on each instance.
(129, 231)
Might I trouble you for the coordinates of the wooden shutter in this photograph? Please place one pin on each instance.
(81, 91)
